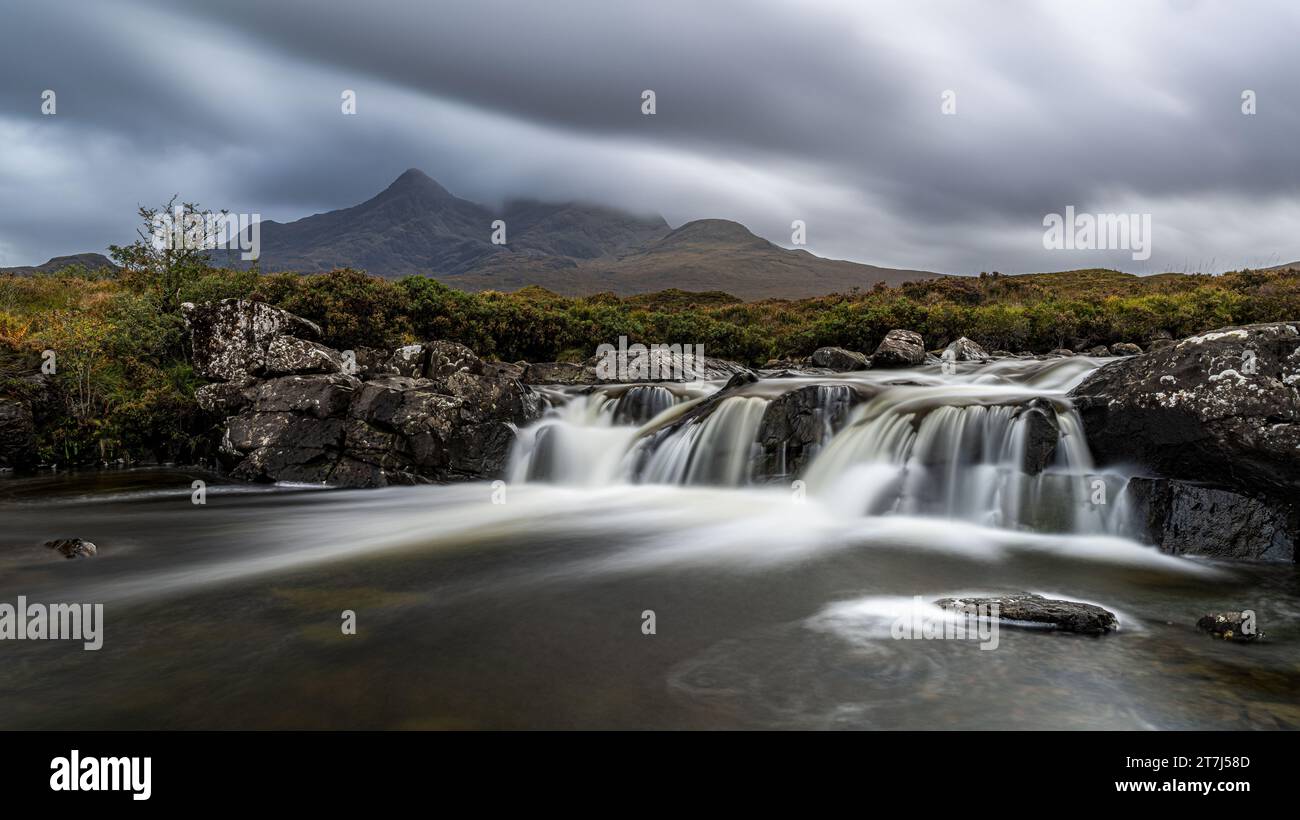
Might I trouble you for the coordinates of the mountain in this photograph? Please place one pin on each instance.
(416, 226)
(90, 261)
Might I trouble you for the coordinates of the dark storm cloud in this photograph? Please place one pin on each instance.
(767, 112)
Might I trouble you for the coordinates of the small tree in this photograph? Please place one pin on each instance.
(174, 247)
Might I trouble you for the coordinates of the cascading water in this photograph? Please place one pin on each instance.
(998, 444)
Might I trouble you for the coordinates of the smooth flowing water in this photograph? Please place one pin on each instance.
(773, 591)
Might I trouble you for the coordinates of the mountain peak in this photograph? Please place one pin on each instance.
(415, 180)
(713, 232)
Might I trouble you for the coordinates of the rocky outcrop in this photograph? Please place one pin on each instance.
(1183, 518)
(1222, 407)
(1027, 608)
(839, 359)
(899, 348)
(297, 410)
(231, 339)
(965, 350)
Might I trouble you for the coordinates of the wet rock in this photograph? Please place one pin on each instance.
(965, 350)
(1100, 351)
(838, 359)
(1125, 349)
(797, 424)
(1041, 435)
(230, 338)
(1182, 518)
(1231, 626)
(899, 348)
(1061, 351)
(73, 547)
(1063, 616)
(1222, 407)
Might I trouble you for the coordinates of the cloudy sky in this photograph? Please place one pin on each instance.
(767, 112)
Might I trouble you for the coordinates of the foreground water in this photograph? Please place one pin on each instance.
(772, 608)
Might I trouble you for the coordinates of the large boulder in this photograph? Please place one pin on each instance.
(1183, 518)
(899, 348)
(231, 337)
(1221, 407)
(839, 359)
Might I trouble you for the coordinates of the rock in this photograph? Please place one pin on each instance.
(17, 433)
(426, 412)
(287, 354)
(965, 350)
(1182, 518)
(563, 373)
(73, 547)
(1222, 407)
(1231, 626)
(839, 359)
(899, 348)
(1041, 435)
(1100, 351)
(230, 338)
(1064, 616)
(1061, 351)
(1159, 344)
(797, 424)
(1125, 349)
(659, 363)
(1003, 354)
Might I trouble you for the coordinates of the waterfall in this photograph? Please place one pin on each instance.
(997, 446)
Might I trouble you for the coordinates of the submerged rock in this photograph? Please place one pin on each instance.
(838, 359)
(899, 348)
(73, 547)
(1231, 626)
(1064, 616)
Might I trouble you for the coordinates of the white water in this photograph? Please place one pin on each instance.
(925, 443)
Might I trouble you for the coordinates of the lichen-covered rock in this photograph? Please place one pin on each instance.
(230, 338)
(1099, 351)
(1183, 518)
(1027, 608)
(965, 350)
(1125, 349)
(561, 373)
(1221, 407)
(287, 354)
(839, 359)
(899, 348)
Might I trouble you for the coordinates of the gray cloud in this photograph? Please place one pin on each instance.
(767, 112)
